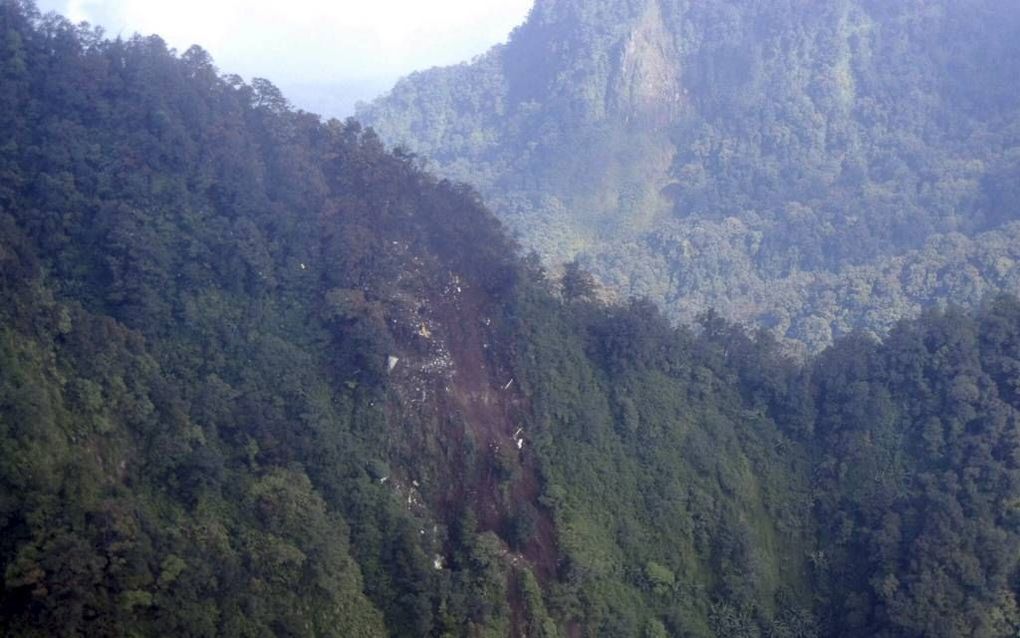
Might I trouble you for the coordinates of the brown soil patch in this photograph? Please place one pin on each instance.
(493, 411)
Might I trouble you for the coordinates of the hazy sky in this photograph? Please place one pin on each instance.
(305, 46)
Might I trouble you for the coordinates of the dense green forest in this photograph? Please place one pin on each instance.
(815, 167)
(261, 377)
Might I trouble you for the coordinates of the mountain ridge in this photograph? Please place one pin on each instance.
(841, 136)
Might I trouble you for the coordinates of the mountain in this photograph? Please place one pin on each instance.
(790, 164)
(260, 376)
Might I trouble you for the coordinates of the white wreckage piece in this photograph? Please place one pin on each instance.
(519, 438)
(391, 362)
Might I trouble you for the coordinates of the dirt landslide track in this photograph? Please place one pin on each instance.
(493, 410)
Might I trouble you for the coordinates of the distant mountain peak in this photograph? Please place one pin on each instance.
(842, 138)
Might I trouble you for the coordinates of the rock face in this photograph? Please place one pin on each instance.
(646, 84)
(803, 147)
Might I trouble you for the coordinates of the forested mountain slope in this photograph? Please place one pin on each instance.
(259, 376)
(755, 157)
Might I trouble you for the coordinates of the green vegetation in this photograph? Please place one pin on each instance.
(197, 285)
(815, 168)
(260, 377)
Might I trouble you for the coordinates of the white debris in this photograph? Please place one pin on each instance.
(384, 479)
(508, 384)
(437, 562)
(391, 362)
(414, 483)
(519, 438)
(303, 267)
(520, 444)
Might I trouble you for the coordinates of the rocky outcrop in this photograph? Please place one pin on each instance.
(645, 87)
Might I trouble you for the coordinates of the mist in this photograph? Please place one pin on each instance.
(325, 56)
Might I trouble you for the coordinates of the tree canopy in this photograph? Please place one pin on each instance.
(259, 376)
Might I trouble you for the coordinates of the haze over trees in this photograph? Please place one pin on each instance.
(816, 167)
(260, 376)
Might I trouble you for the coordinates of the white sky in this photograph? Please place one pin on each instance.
(308, 43)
